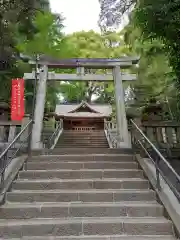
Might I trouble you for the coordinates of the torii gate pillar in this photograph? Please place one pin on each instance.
(122, 126)
(39, 109)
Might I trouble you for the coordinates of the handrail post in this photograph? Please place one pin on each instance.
(29, 140)
(29, 153)
(132, 140)
(3, 172)
(157, 160)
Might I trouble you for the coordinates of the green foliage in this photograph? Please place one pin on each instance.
(161, 20)
(155, 76)
(93, 45)
(153, 33)
(47, 40)
(16, 22)
(40, 34)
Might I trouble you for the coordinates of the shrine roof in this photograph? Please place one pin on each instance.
(74, 110)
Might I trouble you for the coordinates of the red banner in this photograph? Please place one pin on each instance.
(17, 99)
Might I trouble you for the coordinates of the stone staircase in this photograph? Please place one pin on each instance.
(82, 139)
(83, 196)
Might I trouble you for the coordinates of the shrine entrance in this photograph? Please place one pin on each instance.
(114, 72)
(83, 124)
(84, 116)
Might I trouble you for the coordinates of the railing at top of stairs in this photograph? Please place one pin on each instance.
(15, 149)
(163, 168)
(51, 142)
(109, 127)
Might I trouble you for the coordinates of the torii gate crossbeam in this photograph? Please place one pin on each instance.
(81, 77)
(101, 63)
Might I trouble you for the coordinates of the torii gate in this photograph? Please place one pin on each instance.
(99, 63)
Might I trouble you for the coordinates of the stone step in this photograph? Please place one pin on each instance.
(83, 226)
(86, 133)
(97, 135)
(82, 141)
(65, 210)
(100, 237)
(81, 138)
(85, 136)
(81, 145)
(85, 146)
(95, 141)
(131, 183)
(82, 157)
(91, 139)
(80, 174)
(67, 151)
(81, 165)
(74, 140)
(91, 195)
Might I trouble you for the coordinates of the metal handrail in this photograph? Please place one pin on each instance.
(4, 159)
(160, 156)
(15, 140)
(51, 139)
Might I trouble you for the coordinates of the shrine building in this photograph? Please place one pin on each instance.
(83, 116)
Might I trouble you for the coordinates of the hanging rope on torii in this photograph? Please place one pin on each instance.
(80, 64)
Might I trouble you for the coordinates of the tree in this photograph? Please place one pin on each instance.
(161, 20)
(93, 45)
(16, 21)
(33, 30)
(49, 40)
(155, 76)
(155, 26)
(112, 12)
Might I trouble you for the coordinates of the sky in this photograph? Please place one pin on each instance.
(79, 14)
